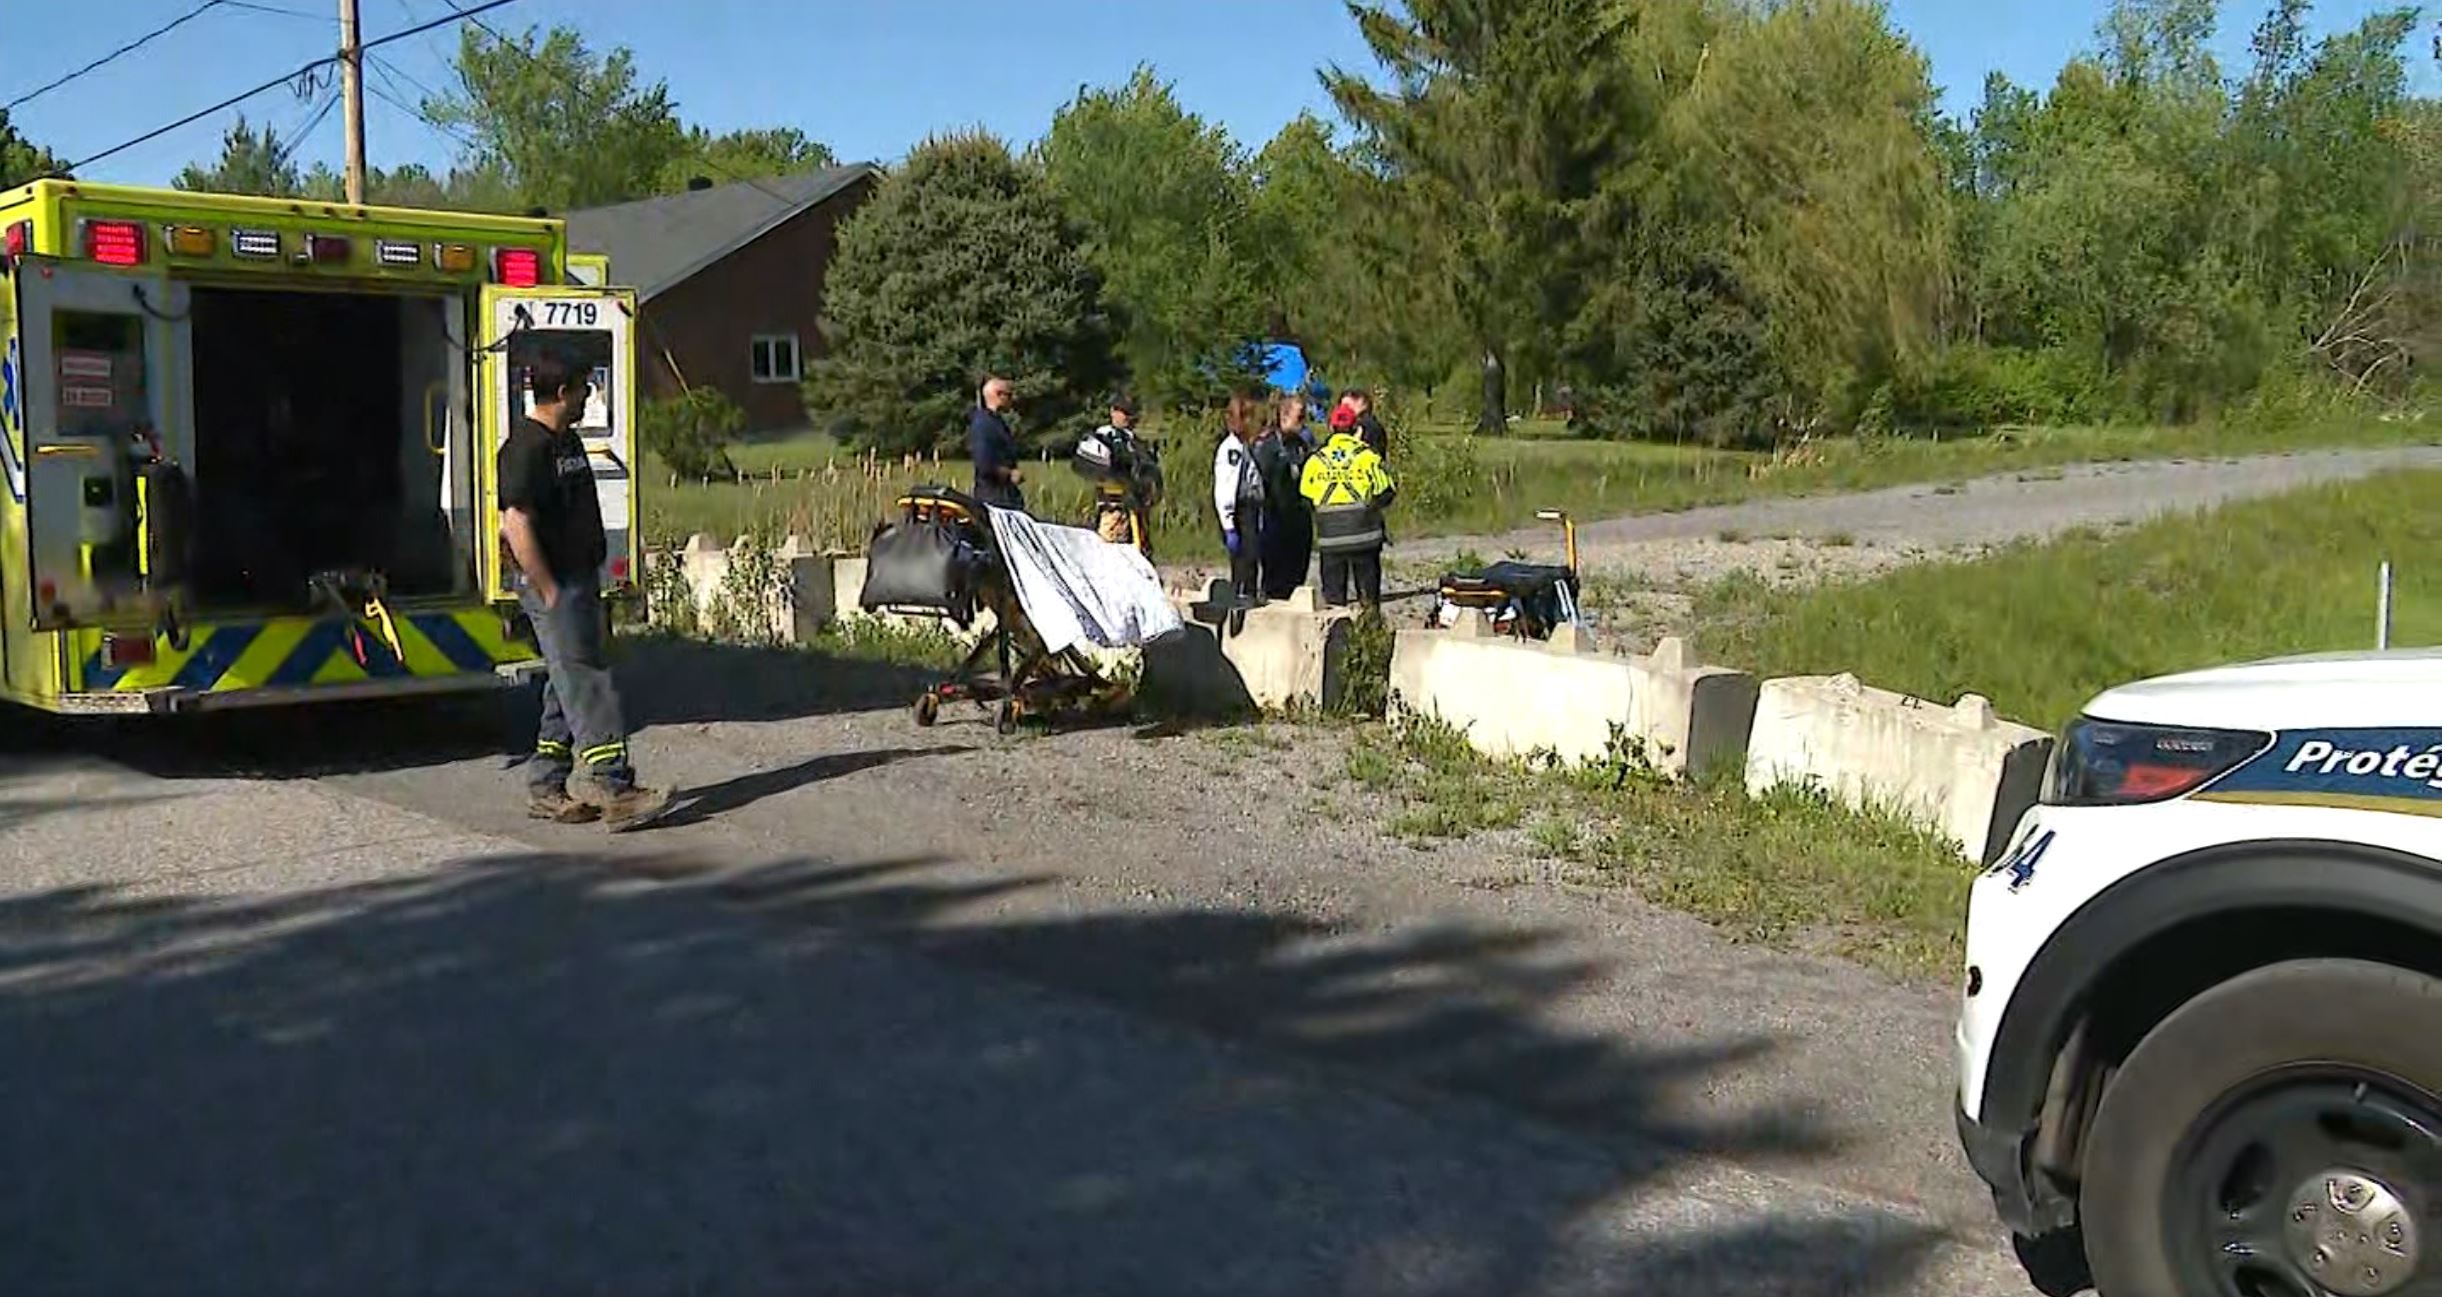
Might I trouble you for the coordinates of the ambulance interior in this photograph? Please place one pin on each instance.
(323, 439)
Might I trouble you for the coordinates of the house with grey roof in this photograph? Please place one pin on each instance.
(729, 282)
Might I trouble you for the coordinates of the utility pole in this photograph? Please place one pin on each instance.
(352, 91)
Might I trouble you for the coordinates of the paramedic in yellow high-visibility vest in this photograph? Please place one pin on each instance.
(1350, 489)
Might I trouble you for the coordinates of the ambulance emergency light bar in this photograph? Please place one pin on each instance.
(128, 243)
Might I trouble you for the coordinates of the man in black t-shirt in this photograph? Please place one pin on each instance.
(551, 517)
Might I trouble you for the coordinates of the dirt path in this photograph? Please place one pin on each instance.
(1985, 511)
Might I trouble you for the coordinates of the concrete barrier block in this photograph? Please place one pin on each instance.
(1514, 699)
(1961, 771)
(1265, 656)
(812, 601)
(703, 562)
(848, 585)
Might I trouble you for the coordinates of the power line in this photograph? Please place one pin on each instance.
(287, 153)
(328, 60)
(276, 9)
(129, 48)
(390, 70)
(480, 25)
(396, 100)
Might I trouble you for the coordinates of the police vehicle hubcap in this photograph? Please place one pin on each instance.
(2312, 1181)
(2352, 1233)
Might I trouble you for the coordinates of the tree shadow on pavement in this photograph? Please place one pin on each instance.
(662, 682)
(530, 1073)
(697, 805)
(672, 681)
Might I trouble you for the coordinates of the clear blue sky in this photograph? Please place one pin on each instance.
(869, 77)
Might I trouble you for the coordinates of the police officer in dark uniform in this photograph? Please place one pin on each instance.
(993, 447)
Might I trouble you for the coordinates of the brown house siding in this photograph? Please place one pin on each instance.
(774, 285)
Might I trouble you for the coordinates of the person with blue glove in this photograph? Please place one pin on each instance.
(1238, 491)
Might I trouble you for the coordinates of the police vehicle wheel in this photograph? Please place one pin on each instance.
(2279, 1134)
(928, 709)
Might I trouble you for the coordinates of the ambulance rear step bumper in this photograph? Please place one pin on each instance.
(165, 701)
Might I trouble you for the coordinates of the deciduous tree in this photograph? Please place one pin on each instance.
(1162, 195)
(744, 155)
(569, 128)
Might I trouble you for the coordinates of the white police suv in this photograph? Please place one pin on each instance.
(2201, 1046)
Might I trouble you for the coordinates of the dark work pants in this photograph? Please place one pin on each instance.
(1245, 566)
(1000, 495)
(1287, 551)
(581, 722)
(1363, 564)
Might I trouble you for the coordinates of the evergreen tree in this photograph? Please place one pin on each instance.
(963, 262)
(251, 162)
(21, 159)
(1501, 120)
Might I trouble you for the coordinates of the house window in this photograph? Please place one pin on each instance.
(775, 358)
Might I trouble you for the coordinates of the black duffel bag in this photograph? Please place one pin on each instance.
(918, 564)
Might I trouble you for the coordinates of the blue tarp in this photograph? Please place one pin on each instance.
(1284, 369)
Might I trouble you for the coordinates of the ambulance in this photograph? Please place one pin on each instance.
(248, 444)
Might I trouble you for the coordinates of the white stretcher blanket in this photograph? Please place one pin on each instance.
(1077, 586)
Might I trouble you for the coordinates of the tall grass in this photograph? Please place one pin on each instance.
(2041, 628)
(1453, 483)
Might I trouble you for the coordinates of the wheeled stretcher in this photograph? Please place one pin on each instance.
(942, 559)
(1528, 600)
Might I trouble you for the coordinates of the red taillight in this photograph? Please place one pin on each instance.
(618, 568)
(122, 651)
(327, 249)
(115, 243)
(517, 267)
(20, 237)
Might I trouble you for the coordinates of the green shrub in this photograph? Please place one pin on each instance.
(690, 433)
(1366, 668)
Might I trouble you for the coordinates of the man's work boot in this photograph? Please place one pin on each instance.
(623, 807)
(555, 805)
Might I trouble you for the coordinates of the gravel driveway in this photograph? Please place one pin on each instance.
(315, 1007)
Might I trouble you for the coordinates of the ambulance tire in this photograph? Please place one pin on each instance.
(2229, 1070)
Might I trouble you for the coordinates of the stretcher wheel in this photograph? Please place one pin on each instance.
(1005, 718)
(928, 709)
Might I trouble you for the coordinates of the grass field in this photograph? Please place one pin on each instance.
(2040, 628)
(1452, 483)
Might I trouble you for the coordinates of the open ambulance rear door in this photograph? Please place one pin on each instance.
(592, 326)
(98, 373)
